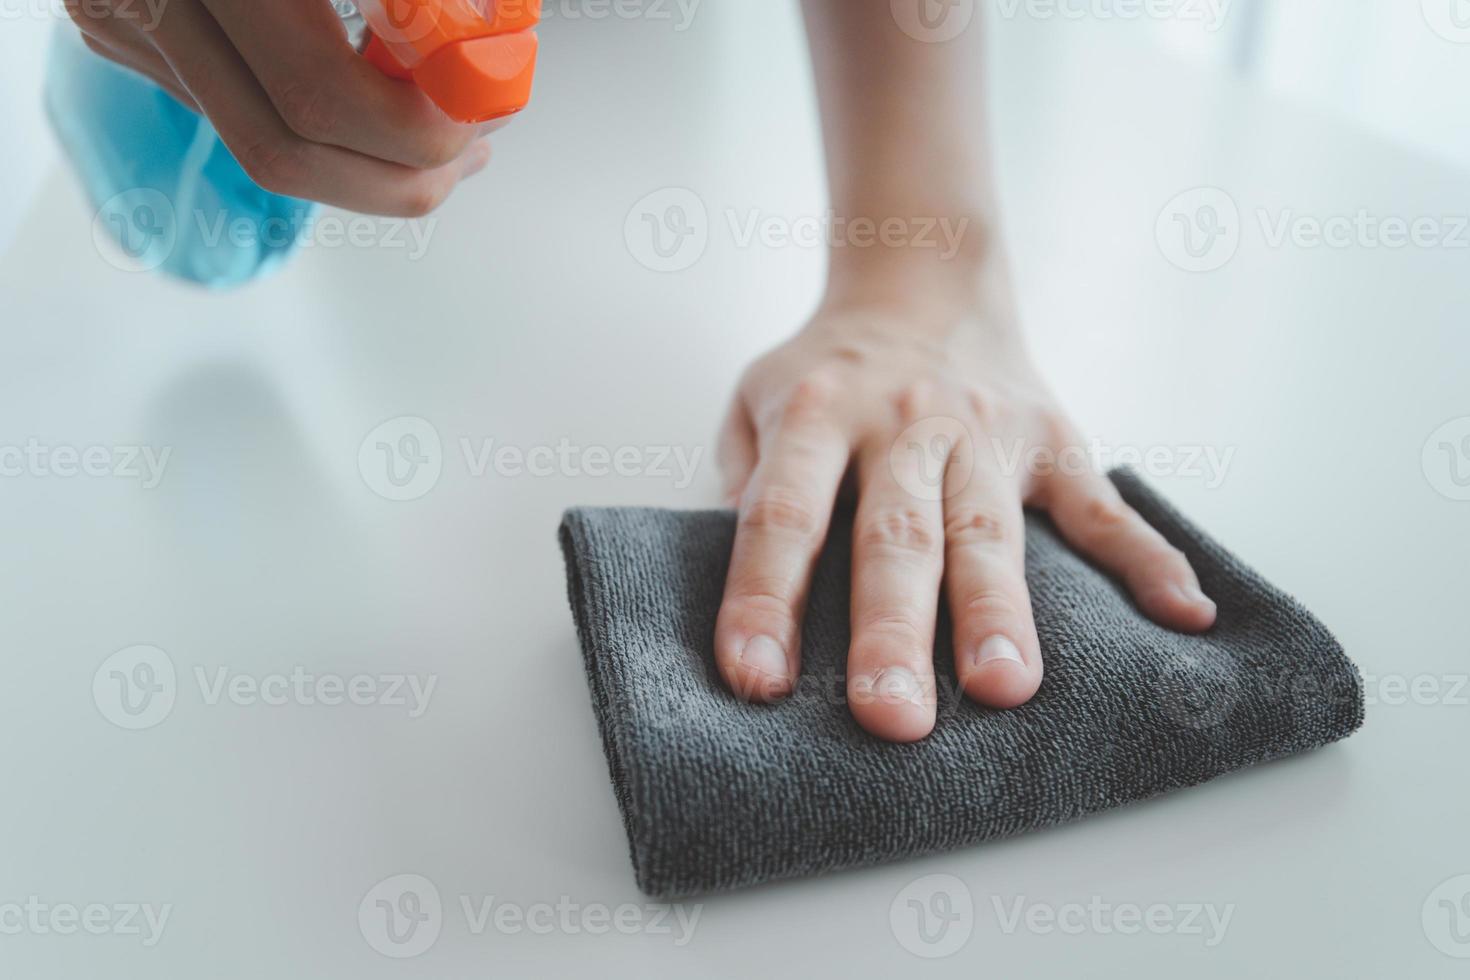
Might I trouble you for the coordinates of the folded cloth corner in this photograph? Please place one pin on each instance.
(718, 794)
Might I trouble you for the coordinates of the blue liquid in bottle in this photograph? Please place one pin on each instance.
(165, 187)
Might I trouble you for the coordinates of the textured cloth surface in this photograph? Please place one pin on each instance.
(718, 794)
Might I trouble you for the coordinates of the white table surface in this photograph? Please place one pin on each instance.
(529, 321)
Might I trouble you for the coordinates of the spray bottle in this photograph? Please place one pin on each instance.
(169, 195)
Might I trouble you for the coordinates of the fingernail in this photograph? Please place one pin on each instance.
(891, 685)
(763, 654)
(996, 649)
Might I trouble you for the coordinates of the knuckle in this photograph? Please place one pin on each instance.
(1056, 428)
(780, 510)
(975, 526)
(764, 597)
(987, 604)
(914, 401)
(424, 200)
(984, 403)
(97, 47)
(441, 149)
(307, 109)
(1105, 514)
(902, 530)
(900, 624)
(808, 401)
(272, 163)
(1170, 561)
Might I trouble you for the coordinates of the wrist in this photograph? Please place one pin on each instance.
(933, 275)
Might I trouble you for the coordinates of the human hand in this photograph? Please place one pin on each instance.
(867, 388)
(301, 111)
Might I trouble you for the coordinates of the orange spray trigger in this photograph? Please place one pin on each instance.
(474, 58)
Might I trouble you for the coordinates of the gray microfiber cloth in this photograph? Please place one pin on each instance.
(718, 794)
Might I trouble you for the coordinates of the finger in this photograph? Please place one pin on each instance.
(121, 42)
(327, 93)
(784, 515)
(996, 652)
(98, 19)
(1095, 520)
(736, 451)
(143, 60)
(276, 158)
(897, 565)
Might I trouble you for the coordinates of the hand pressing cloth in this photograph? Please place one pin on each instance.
(717, 794)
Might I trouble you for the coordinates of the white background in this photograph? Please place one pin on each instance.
(530, 320)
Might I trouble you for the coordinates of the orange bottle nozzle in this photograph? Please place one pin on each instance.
(474, 58)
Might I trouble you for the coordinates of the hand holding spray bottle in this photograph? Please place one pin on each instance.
(167, 190)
